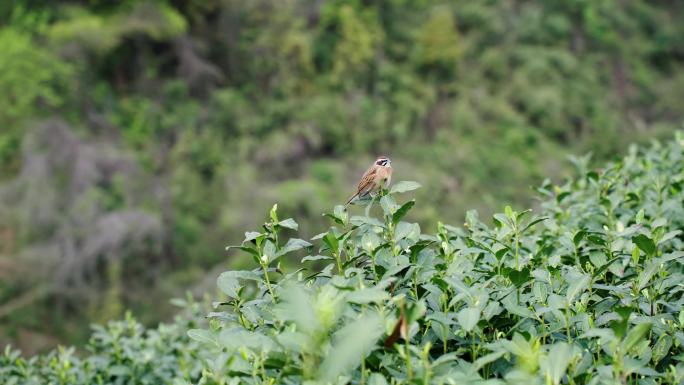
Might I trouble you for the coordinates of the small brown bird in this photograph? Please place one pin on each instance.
(377, 176)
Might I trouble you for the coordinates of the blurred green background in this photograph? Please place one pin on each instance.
(139, 138)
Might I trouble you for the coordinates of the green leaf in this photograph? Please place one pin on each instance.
(350, 346)
(289, 223)
(404, 186)
(401, 212)
(645, 276)
(339, 215)
(235, 338)
(509, 213)
(518, 277)
(534, 222)
(407, 230)
(389, 206)
(577, 286)
(645, 243)
(331, 240)
(358, 220)
(593, 175)
(269, 252)
(636, 335)
(377, 379)
(251, 235)
(293, 244)
(557, 361)
(341, 212)
(368, 295)
(500, 220)
(661, 348)
(316, 258)
(468, 318)
(274, 213)
(489, 358)
(201, 335)
(640, 216)
(249, 250)
(229, 284)
(619, 327)
(297, 306)
(578, 237)
(370, 241)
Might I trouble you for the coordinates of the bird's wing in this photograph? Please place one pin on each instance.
(366, 183)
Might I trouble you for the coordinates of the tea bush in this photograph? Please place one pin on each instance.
(588, 291)
(122, 352)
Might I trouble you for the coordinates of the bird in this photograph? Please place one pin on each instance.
(378, 175)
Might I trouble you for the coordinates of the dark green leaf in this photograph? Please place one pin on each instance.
(401, 212)
(645, 243)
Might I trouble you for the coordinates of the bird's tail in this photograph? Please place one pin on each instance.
(351, 199)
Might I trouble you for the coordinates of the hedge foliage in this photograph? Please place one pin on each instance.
(587, 291)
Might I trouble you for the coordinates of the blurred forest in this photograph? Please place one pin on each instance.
(138, 138)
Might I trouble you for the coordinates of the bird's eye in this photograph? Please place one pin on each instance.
(381, 162)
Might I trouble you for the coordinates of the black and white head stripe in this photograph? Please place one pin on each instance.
(383, 161)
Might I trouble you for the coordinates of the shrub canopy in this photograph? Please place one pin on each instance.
(588, 290)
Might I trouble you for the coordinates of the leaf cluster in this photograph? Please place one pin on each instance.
(587, 292)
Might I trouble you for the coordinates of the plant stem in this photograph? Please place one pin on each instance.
(407, 357)
(268, 281)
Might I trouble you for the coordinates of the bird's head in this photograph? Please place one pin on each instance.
(383, 161)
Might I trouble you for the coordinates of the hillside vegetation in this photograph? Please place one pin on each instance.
(585, 291)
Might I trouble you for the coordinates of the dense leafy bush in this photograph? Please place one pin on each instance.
(122, 352)
(588, 291)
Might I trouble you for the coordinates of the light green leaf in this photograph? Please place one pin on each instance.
(274, 213)
(236, 338)
(389, 206)
(358, 220)
(468, 318)
(316, 258)
(407, 230)
(577, 286)
(350, 346)
(251, 235)
(368, 295)
(370, 241)
(293, 244)
(377, 379)
(557, 361)
(228, 283)
(289, 223)
(649, 271)
(662, 348)
(636, 335)
(404, 186)
(509, 213)
(269, 252)
(297, 306)
(201, 335)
